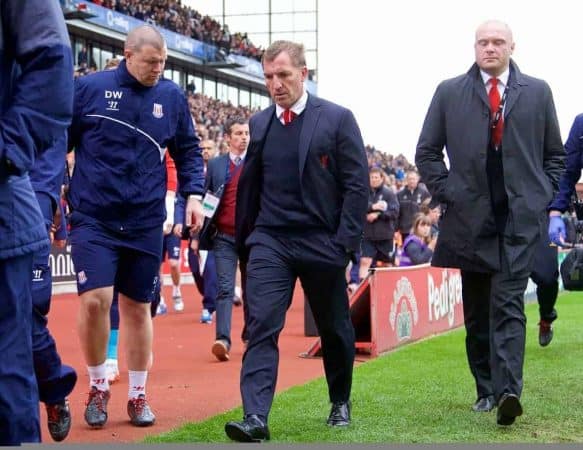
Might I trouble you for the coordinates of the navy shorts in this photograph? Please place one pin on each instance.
(378, 250)
(171, 247)
(128, 261)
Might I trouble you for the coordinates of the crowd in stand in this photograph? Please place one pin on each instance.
(210, 116)
(394, 167)
(170, 14)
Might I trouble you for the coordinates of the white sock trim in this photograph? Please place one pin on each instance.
(137, 383)
(98, 377)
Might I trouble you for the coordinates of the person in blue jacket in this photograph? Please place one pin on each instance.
(36, 91)
(55, 380)
(562, 199)
(123, 122)
(557, 231)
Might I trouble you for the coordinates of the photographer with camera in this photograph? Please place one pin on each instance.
(557, 229)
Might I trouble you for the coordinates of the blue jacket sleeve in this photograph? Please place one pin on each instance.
(568, 179)
(40, 108)
(185, 151)
(418, 254)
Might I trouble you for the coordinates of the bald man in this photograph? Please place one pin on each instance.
(506, 155)
(124, 120)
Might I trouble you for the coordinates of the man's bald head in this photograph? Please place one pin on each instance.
(493, 47)
(144, 35)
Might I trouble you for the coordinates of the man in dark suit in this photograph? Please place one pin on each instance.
(505, 151)
(301, 203)
(218, 234)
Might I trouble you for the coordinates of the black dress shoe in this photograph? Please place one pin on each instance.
(545, 333)
(251, 429)
(484, 404)
(339, 415)
(509, 408)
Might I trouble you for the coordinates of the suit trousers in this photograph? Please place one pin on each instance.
(226, 260)
(275, 263)
(495, 328)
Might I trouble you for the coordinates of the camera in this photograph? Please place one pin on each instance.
(574, 223)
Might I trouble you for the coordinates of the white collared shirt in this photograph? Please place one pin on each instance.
(298, 107)
(232, 156)
(502, 80)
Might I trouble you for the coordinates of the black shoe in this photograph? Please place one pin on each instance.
(484, 404)
(251, 429)
(59, 420)
(339, 415)
(545, 333)
(509, 408)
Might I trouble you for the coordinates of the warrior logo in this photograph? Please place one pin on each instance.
(81, 277)
(157, 111)
(404, 313)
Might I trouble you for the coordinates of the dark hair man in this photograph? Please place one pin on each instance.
(301, 202)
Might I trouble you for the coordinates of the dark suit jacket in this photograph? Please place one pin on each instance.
(332, 170)
(216, 174)
(532, 156)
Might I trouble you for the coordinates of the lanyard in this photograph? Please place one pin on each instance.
(498, 113)
(228, 175)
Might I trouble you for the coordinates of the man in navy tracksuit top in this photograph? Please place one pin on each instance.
(36, 92)
(55, 380)
(124, 119)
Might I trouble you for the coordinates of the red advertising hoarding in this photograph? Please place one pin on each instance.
(407, 304)
(397, 305)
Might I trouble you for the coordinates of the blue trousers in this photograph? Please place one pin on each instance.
(19, 413)
(206, 282)
(55, 380)
(226, 259)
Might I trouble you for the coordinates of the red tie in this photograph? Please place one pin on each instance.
(288, 116)
(494, 105)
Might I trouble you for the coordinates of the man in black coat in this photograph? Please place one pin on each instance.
(505, 151)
